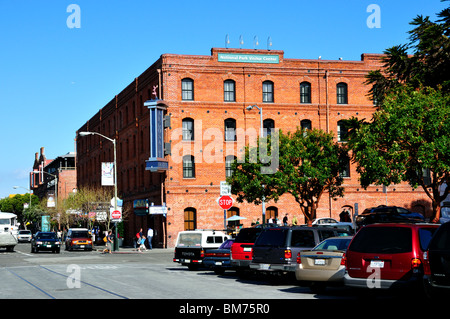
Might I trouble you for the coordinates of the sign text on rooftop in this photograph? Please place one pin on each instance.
(248, 58)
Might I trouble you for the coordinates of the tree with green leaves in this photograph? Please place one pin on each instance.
(309, 165)
(15, 205)
(408, 140)
(427, 66)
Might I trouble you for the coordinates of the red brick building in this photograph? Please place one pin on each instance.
(55, 178)
(205, 99)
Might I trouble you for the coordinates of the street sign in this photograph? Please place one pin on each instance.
(225, 188)
(116, 215)
(225, 202)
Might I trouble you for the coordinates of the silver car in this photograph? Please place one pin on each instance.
(323, 265)
(24, 236)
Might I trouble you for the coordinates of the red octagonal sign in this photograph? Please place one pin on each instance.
(225, 202)
(116, 214)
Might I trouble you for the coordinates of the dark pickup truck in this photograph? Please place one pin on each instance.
(191, 245)
(276, 249)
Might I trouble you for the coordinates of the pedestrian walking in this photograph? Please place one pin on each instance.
(108, 243)
(285, 220)
(150, 237)
(142, 244)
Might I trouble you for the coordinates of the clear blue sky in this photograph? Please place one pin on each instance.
(54, 78)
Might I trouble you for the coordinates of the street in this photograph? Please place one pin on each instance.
(128, 274)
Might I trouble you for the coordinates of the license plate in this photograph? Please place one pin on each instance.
(376, 264)
(247, 249)
(264, 266)
(81, 246)
(218, 263)
(319, 261)
(49, 246)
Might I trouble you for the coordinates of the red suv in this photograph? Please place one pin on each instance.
(241, 250)
(388, 255)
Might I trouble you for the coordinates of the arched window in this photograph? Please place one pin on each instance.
(305, 92)
(188, 129)
(188, 166)
(230, 129)
(233, 225)
(229, 91)
(271, 213)
(305, 125)
(187, 89)
(268, 94)
(269, 126)
(342, 93)
(190, 218)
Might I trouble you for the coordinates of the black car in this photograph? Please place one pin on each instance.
(437, 264)
(387, 214)
(48, 241)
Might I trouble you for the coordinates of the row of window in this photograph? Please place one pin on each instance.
(268, 126)
(189, 166)
(268, 92)
(190, 216)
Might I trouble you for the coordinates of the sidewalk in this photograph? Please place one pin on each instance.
(132, 250)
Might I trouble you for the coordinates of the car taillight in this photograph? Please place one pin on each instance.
(415, 263)
(344, 260)
(287, 254)
(299, 259)
(426, 264)
(202, 253)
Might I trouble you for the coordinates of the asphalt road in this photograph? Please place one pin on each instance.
(127, 274)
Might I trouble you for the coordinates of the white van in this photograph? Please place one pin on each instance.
(191, 245)
(8, 231)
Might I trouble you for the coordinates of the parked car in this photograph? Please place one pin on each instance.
(387, 214)
(388, 255)
(324, 264)
(241, 250)
(24, 236)
(275, 251)
(191, 245)
(45, 241)
(78, 238)
(219, 259)
(324, 221)
(445, 214)
(437, 264)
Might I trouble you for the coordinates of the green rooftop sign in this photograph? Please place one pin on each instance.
(248, 58)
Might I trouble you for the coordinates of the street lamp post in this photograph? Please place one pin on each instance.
(116, 243)
(261, 134)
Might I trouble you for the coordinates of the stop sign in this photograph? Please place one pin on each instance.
(116, 214)
(225, 202)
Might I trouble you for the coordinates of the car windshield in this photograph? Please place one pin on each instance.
(445, 212)
(46, 236)
(334, 244)
(80, 234)
(272, 237)
(24, 232)
(383, 240)
(227, 244)
(190, 239)
(248, 235)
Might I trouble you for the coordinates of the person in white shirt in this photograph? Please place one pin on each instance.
(149, 237)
